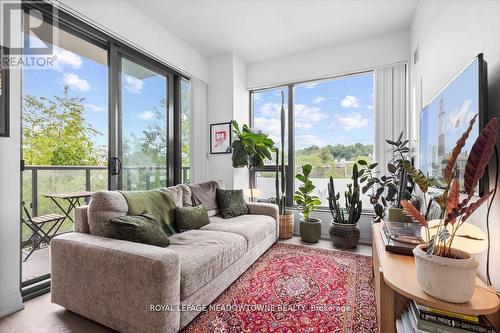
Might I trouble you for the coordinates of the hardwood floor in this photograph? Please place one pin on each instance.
(41, 316)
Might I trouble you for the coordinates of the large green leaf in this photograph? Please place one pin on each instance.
(417, 175)
(240, 156)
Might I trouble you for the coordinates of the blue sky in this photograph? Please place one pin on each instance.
(338, 111)
(460, 104)
(89, 79)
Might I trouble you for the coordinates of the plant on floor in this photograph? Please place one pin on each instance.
(302, 196)
(353, 206)
(455, 213)
(280, 182)
(251, 148)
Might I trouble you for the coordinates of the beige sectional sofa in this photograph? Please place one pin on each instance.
(133, 287)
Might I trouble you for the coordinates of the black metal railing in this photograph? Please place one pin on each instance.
(43, 179)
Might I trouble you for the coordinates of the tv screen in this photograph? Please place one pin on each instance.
(447, 116)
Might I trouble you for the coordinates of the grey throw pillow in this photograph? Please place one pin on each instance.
(141, 228)
(231, 203)
(187, 218)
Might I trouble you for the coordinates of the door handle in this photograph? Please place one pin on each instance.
(116, 166)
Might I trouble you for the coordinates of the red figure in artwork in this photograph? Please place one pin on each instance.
(220, 137)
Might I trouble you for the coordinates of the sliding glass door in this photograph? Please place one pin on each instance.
(144, 134)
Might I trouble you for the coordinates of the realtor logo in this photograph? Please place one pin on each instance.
(27, 34)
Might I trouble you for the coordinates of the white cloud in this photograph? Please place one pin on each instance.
(95, 108)
(66, 59)
(307, 140)
(310, 85)
(304, 125)
(349, 122)
(270, 109)
(257, 97)
(269, 126)
(305, 113)
(133, 85)
(350, 102)
(460, 118)
(319, 100)
(146, 115)
(369, 107)
(73, 81)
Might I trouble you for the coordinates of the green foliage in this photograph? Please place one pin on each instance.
(55, 132)
(302, 196)
(251, 147)
(353, 205)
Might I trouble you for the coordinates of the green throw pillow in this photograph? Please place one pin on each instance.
(140, 229)
(187, 218)
(231, 203)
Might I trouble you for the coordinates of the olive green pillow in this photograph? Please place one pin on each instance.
(187, 218)
(141, 228)
(231, 203)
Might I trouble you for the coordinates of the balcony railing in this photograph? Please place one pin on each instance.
(38, 180)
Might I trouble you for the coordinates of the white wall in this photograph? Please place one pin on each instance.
(122, 19)
(335, 60)
(227, 100)
(449, 35)
(10, 198)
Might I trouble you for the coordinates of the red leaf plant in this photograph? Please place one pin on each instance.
(454, 211)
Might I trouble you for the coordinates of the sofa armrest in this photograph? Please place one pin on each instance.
(262, 208)
(116, 282)
(82, 219)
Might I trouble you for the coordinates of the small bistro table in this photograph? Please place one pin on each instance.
(73, 200)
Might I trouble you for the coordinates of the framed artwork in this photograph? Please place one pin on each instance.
(4, 93)
(220, 138)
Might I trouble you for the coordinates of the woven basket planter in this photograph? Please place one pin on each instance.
(286, 225)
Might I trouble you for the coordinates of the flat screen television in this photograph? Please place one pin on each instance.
(447, 116)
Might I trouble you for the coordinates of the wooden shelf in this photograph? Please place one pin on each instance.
(395, 276)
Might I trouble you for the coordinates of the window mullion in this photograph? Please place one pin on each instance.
(291, 149)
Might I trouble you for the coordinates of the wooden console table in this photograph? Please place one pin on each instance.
(396, 284)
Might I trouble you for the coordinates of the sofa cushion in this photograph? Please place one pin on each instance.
(104, 205)
(187, 218)
(204, 255)
(140, 229)
(231, 203)
(253, 227)
(176, 193)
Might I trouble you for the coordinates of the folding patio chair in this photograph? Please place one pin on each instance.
(36, 224)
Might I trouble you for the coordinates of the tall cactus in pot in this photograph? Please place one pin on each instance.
(344, 230)
(285, 216)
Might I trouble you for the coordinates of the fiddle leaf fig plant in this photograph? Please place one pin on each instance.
(251, 148)
(302, 196)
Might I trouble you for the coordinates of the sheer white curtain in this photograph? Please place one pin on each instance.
(199, 131)
(391, 109)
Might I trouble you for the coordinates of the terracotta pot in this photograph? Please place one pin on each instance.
(397, 215)
(286, 225)
(345, 236)
(450, 280)
(310, 230)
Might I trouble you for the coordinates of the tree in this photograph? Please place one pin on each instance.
(55, 132)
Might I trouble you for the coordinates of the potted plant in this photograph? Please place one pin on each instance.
(344, 230)
(310, 228)
(438, 264)
(250, 149)
(368, 175)
(285, 215)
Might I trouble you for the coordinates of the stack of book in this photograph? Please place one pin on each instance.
(419, 319)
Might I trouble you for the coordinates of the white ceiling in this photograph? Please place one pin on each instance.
(258, 30)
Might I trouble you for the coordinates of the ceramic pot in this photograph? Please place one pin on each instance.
(396, 215)
(448, 279)
(286, 225)
(345, 236)
(310, 230)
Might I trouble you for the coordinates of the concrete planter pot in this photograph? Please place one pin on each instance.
(450, 280)
(310, 230)
(345, 236)
(396, 215)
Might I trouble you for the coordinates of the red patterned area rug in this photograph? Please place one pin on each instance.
(295, 288)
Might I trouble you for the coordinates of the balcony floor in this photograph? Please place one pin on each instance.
(37, 264)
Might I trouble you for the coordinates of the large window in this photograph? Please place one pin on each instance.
(332, 126)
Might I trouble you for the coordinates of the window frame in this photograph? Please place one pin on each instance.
(117, 49)
(290, 177)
